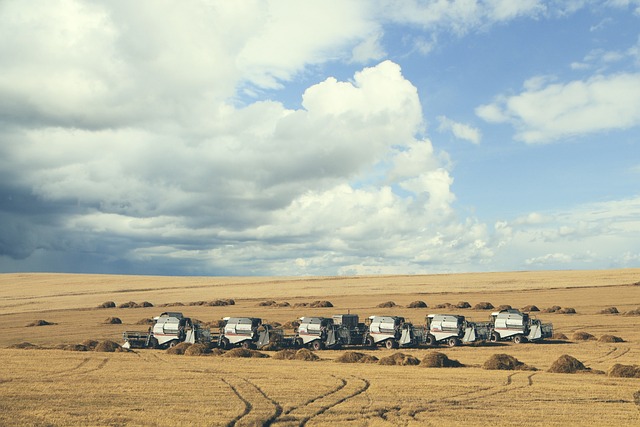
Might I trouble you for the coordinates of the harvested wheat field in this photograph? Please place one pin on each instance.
(69, 372)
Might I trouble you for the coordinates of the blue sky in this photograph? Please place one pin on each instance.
(319, 138)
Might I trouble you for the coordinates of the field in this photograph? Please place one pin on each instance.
(46, 385)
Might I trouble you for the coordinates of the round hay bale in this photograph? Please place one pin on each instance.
(463, 304)
(505, 362)
(624, 371)
(610, 338)
(179, 348)
(266, 303)
(356, 357)
(417, 304)
(552, 309)
(39, 323)
(306, 355)
(129, 304)
(504, 307)
(113, 321)
(75, 347)
(559, 336)
(321, 304)
(609, 310)
(567, 310)
(172, 304)
(283, 304)
(399, 359)
(245, 353)
(582, 336)
(217, 352)
(483, 306)
(635, 312)
(91, 344)
(108, 346)
(567, 365)
(386, 304)
(445, 305)
(528, 308)
(107, 304)
(286, 354)
(24, 346)
(439, 360)
(219, 303)
(197, 350)
(146, 304)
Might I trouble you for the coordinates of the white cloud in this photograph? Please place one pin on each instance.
(558, 111)
(583, 237)
(369, 49)
(459, 16)
(460, 130)
(291, 35)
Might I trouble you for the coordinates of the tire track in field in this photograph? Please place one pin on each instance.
(356, 392)
(247, 405)
(66, 372)
(81, 369)
(343, 383)
(259, 408)
(475, 395)
(613, 354)
(313, 408)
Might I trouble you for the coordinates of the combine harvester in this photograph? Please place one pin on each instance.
(248, 333)
(318, 333)
(452, 330)
(392, 332)
(171, 328)
(517, 327)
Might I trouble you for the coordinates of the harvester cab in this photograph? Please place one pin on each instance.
(317, 333)
(241, 332)
(170, 328)
(452, 329)
(516, 326)
(390, 331)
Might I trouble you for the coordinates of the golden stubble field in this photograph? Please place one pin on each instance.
(152, 387)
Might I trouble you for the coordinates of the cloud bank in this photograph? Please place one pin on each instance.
(139, 139)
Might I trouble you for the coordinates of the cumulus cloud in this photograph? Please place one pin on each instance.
(126, 144)
(558, 111)
(460, 130)
(582, 237)
(220, 188)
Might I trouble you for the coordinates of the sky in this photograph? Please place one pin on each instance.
(333, 137)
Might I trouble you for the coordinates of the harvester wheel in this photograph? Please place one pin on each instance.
(494, 337)
(224, 344)
(518, 339)
(452, 342)
(172, 343)
(316, 345)
(247, 345)
(368, 342)
(390, 343)
(430, 341)
(298, 343)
